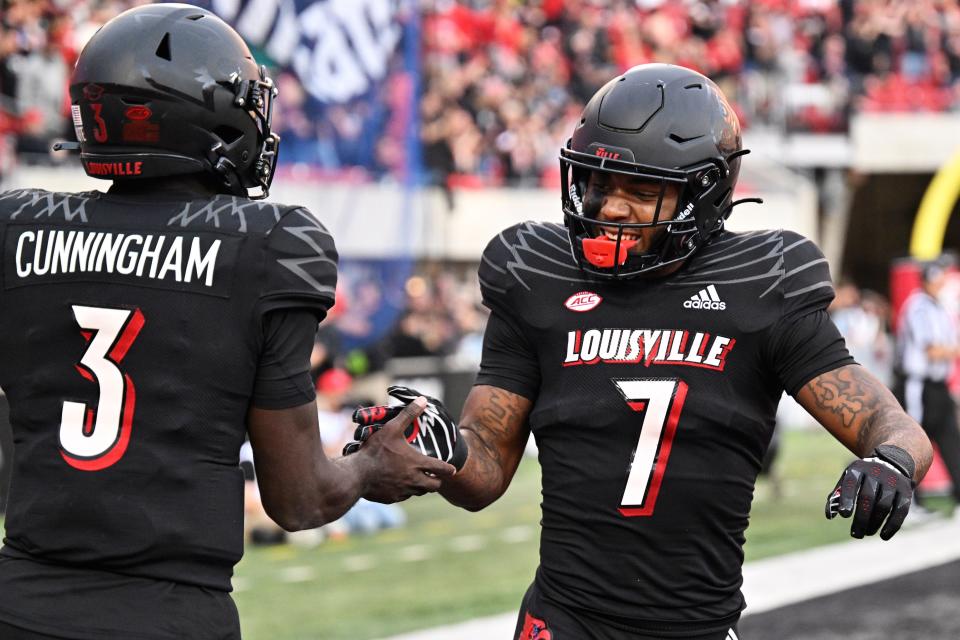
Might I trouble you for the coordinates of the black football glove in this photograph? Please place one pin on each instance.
(872, 489)
(434, 432)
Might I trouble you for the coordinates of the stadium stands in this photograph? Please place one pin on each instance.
(502, 82)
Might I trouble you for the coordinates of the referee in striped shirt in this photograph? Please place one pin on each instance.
(927, 346)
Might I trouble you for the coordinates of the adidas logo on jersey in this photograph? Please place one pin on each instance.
(706, 299)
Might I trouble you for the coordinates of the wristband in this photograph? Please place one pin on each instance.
(899, 458)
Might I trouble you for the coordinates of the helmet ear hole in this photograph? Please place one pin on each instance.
(227, 133)
(163, 49)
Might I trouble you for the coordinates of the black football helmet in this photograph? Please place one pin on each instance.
(662, 123)
(168, 89)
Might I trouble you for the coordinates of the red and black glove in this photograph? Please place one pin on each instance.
(873, 490)
(434, 433)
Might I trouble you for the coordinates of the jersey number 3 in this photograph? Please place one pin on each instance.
(91, 438)
(660, 400)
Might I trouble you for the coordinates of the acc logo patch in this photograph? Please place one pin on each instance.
(582, 301)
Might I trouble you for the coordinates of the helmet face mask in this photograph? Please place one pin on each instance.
(664, 125)
(265, 93)
(171, 89)
(257, 96)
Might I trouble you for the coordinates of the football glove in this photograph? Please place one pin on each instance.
(873, 490)
(434, 433)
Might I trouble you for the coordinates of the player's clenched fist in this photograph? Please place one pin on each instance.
(434, 432)
(874, 490)
(401, 471)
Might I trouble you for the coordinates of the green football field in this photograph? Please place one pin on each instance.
(449, 565)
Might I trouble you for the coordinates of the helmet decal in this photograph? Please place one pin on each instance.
(138, 112)
(92, 92)
(575, 198)
(729, 140)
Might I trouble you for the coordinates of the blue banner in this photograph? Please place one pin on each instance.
(347, 81)
(348, 72)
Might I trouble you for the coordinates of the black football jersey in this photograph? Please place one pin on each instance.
(654, 401)
(130, 331)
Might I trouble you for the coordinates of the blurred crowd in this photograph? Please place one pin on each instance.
(438, 318)
(435, 313)
(863, 318)
(917, 362)
(39, 44)
(443, 317)
(505, 81)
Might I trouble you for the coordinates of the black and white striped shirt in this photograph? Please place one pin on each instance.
(924, 323)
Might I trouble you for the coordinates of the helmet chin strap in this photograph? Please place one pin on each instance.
(602, 252)
(225, 169)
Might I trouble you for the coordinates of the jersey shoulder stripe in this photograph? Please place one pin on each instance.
(39, 205)
(301, 264)
(782, 262)
(737, 258)
(806, 270)
(219, 213)
(228, 213)
(518, 255)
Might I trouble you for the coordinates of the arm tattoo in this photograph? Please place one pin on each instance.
(837, 392)
(851, 398)
(491, 418)
(498, 417)
(493, 427)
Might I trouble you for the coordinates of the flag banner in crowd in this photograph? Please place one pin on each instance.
(346, 81)
(347, 72)
(340, 49)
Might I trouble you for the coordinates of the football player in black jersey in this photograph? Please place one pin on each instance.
(647, 348)
(145, 331)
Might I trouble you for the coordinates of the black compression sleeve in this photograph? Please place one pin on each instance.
(509, 361)
(283, 374)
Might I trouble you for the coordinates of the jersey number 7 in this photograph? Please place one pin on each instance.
(92, 439)
(660, 400)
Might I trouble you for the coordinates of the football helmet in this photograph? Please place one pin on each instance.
(168, 89)
(664, 124)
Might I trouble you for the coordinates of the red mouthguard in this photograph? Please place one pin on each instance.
(600, 251)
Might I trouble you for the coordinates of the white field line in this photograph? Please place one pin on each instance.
(297, 574)
(414, 553)
(776, 582)
(513, 535)
(468, 543)
(359, 563)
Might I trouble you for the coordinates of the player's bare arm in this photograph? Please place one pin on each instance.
(494, 423)
(302, 489)
(862, 414)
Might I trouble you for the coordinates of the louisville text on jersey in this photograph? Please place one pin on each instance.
(647, 347)
(46, 252)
